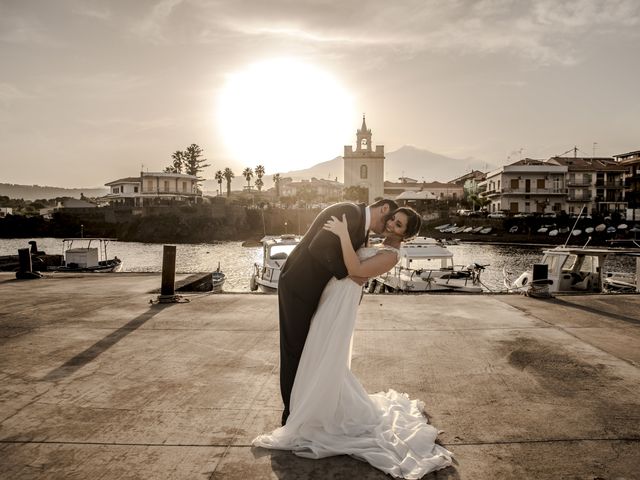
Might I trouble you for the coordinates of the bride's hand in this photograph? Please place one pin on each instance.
(337, 227)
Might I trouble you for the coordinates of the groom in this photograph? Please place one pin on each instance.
(313, 262)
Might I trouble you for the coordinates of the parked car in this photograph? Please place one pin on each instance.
(497, 215)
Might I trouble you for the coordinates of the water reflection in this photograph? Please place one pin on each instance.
(237, 261)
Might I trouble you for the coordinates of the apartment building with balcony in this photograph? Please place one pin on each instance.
(527, 185)
(595, 182)
(631, 163)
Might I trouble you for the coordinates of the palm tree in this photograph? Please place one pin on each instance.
(248, 173)
(228, 175)
(219, 176)
(259, 173)
(178, 162)
(276, 181)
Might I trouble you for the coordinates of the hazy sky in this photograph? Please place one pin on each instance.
(92, 90)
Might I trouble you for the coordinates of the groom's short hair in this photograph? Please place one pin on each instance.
(385, 201)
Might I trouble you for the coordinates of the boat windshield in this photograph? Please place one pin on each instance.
(569, 263)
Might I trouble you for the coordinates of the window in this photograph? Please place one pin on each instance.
(363, 171)
(515, 183)
(527, 207)
(184, 186)
(540, 183)
(135, 189)
(166, 185)
(150, 185)
(116, 189)
(513, 207)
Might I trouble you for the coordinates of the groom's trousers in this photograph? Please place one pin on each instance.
(295, 320)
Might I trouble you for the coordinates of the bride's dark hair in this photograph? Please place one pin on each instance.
(414, 222)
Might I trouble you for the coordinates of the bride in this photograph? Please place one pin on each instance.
(331, 413)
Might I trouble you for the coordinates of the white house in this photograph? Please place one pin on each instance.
(153, 187)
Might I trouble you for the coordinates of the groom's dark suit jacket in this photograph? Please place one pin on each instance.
(313, 262)
(318, 257)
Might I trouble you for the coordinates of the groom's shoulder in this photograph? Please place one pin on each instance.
(344, 206)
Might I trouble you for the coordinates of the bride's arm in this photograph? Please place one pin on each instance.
(376, 265)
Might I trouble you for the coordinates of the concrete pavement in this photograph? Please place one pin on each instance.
(97, 382)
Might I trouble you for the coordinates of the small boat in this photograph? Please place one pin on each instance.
(513, 229)
(477, 230)
(218, 278)
(275, 251)
(543, 230)
(574, 269)
(623, 226)
(601, 228)
(563, 230)
(553, 233)
(467, 230)
(486, 230)
(611, 229)
(442, 227)
(588, 230)
(85, 258)
(426, 265)
(576, 232)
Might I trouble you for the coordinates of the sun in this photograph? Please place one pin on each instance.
(284, 114)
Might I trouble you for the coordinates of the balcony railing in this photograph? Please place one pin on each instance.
(580, 183)
(610, 184)
(535, 191)
(586, 198)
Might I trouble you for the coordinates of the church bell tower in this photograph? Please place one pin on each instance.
(364, 166)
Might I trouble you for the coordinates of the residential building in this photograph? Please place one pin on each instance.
(470, 182)
(323, 189)
(364, 166)
(596, 183)
(154, 188)
(4, 211)
(527, 185)
(439, 190)
(631, 162)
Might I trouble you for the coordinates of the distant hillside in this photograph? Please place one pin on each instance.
(407, 161)
(35, 192)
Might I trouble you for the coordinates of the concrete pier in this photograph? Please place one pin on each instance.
(97, 382)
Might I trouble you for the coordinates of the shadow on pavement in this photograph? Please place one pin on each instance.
(91, 353)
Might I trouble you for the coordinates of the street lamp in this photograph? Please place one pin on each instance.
(285, 227)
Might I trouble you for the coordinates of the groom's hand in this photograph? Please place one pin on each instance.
(359, 280)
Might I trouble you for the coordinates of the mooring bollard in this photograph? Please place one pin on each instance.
(25, 268)
(167, 289)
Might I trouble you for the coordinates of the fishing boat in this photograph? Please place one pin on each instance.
(89, 257)
(275, 251)
(425, 265)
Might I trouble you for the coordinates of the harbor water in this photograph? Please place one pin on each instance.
(237, 261)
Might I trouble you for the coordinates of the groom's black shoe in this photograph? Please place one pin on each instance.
(285, 415)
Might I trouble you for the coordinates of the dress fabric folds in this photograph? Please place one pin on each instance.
(332, 414)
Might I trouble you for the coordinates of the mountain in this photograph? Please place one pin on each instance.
(35, 192)
(407, 161)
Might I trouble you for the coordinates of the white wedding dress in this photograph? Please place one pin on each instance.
(332, 414)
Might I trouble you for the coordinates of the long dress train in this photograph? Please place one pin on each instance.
(332, 414)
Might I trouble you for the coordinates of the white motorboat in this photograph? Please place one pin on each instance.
(87, 258)
(577, 270)
(426, 265)
(217, 279)
(275, 251)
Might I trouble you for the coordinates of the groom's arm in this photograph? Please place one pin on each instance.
(325, 246)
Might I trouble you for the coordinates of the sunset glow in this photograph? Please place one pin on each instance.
(285, 115)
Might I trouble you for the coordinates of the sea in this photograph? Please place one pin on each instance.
(237, 261)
